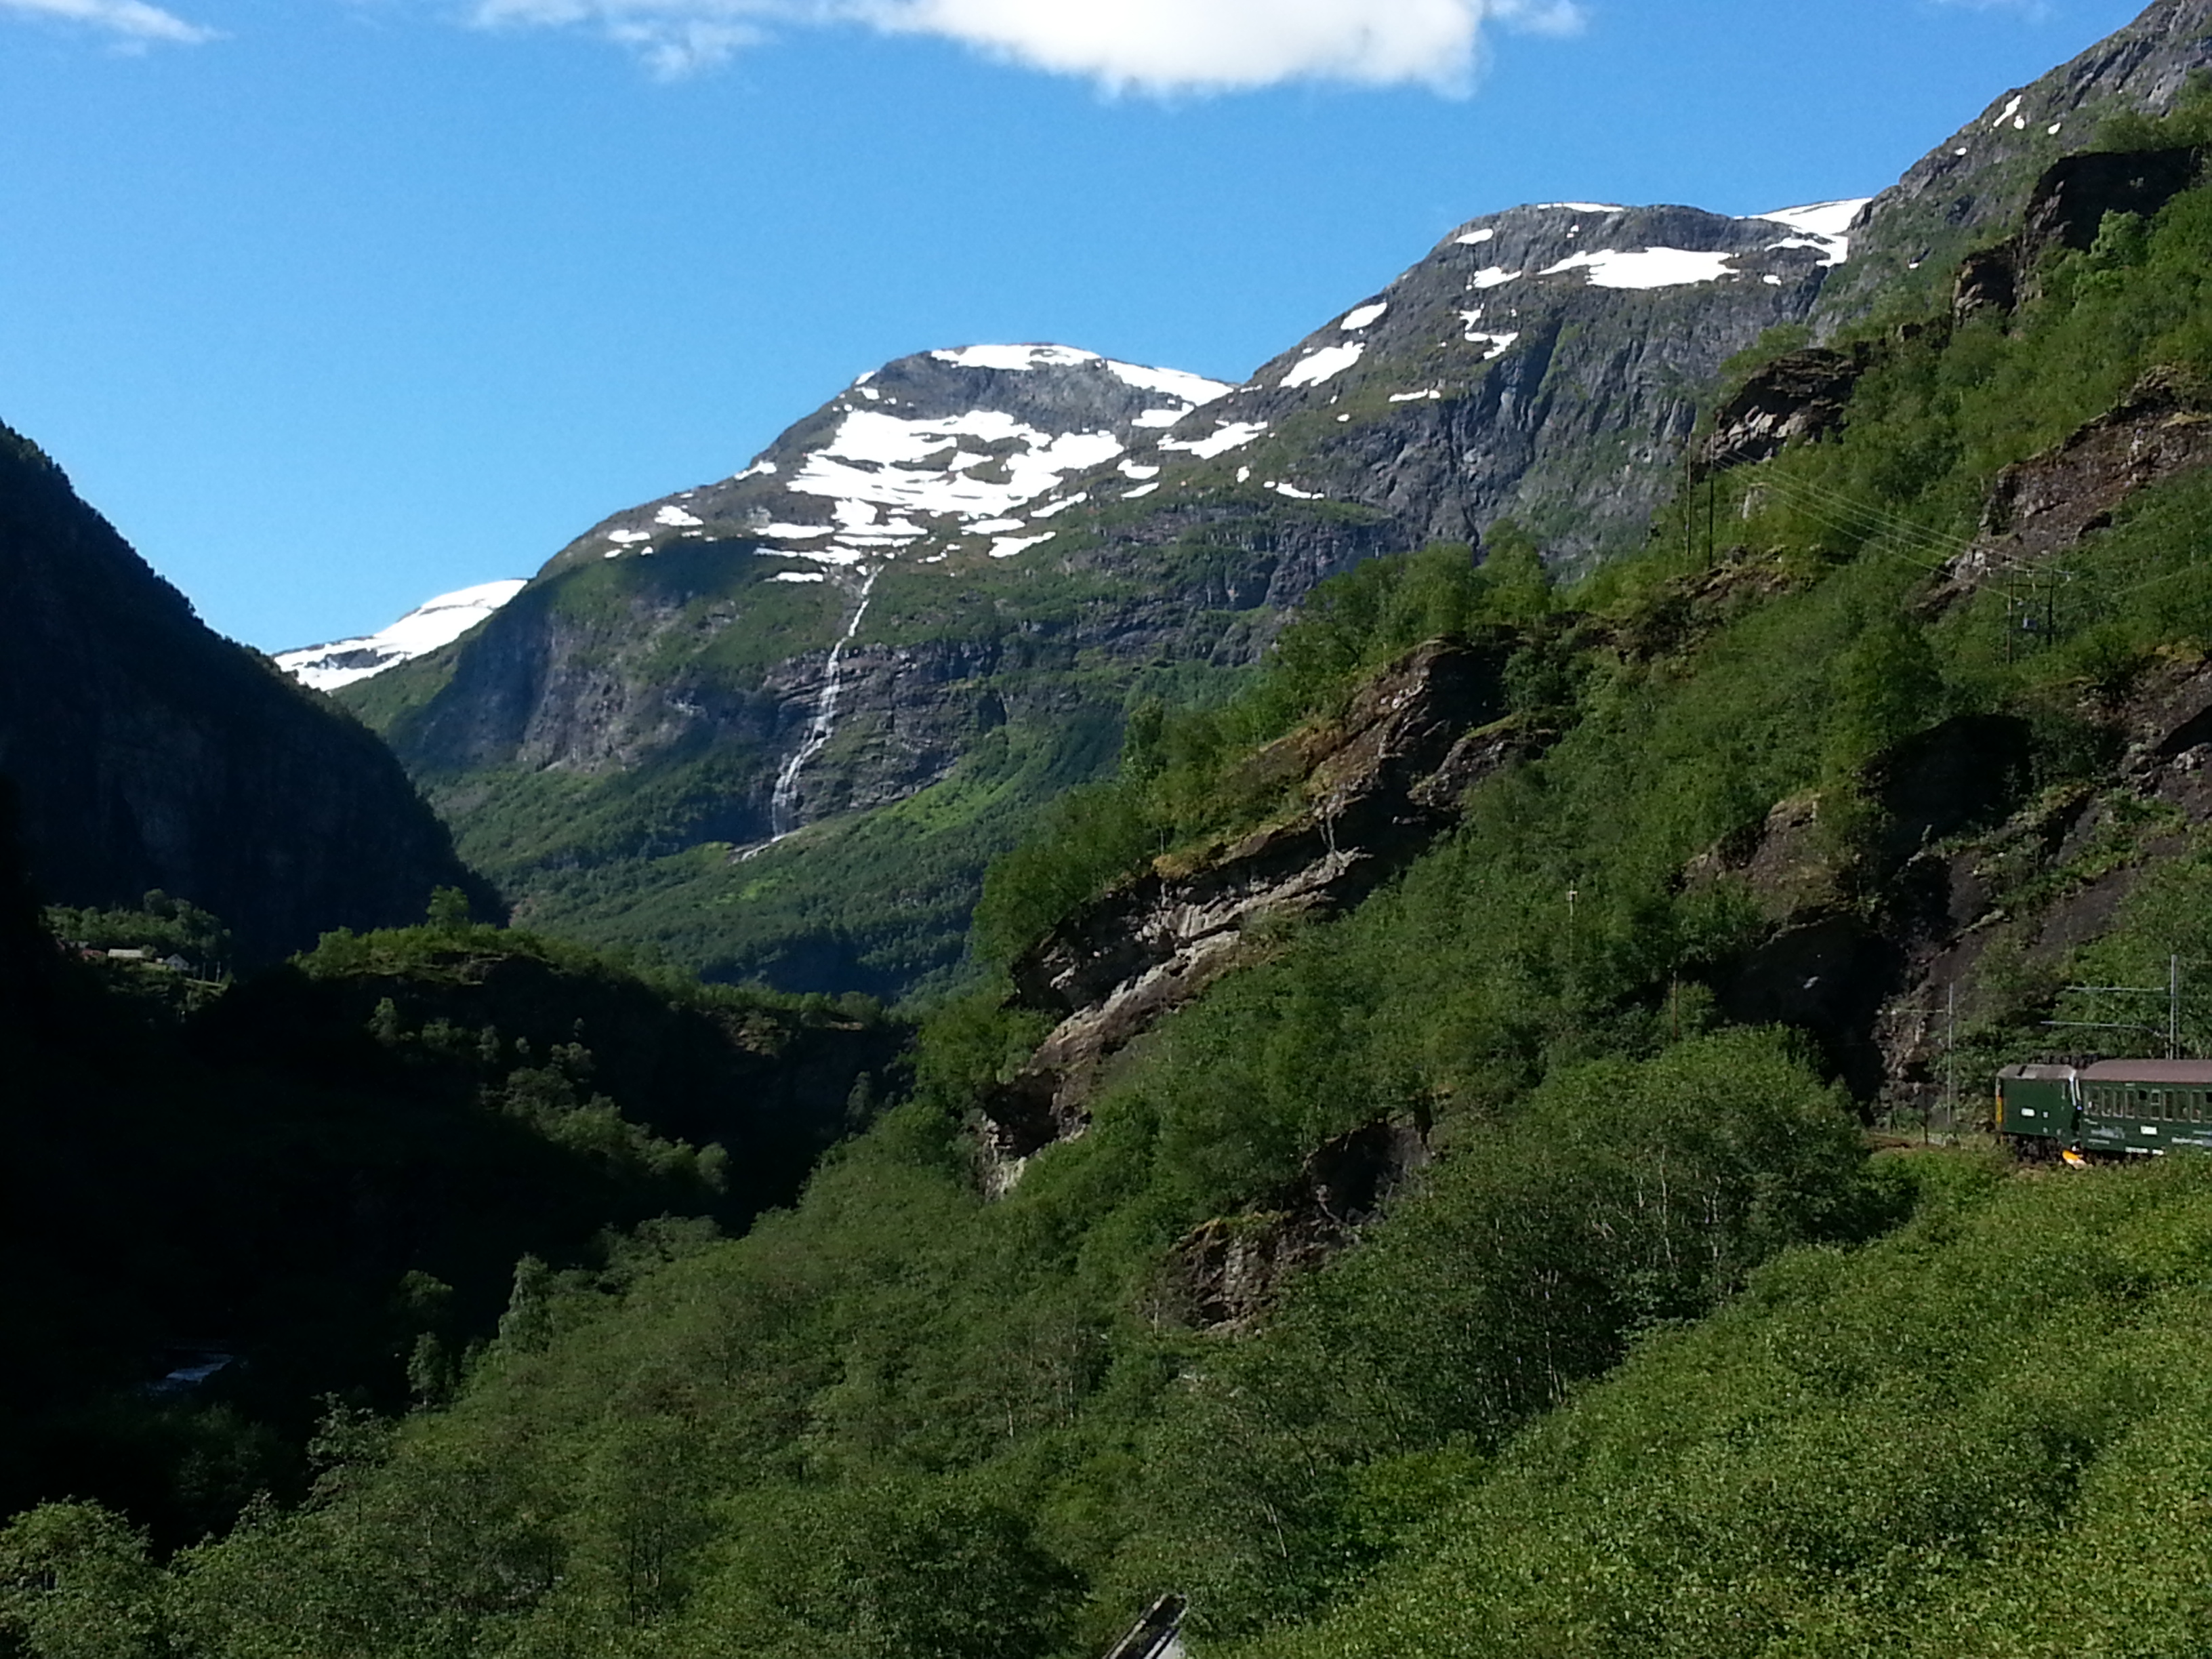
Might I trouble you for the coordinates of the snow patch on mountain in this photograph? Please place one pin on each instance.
(1230, 434)
(1194, 389)
(1821, 226)
(1646, 267)
(1015, 358)
(429, 625)
(891, 475)
(1495, 345)
(927, 468)
(1324, 364)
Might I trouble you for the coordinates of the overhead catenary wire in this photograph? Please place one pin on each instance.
(1870, 524)
(1937, 551)
(1894, 523)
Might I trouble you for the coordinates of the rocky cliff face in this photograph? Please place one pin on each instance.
(1544, 364)
(1222, 1277)
(1881, 953)
(1378, 786)
(147, 751)
(2048, 503)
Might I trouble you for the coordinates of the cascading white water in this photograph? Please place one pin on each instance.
(783, 805)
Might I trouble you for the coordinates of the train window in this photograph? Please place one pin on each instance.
(2154, 1103)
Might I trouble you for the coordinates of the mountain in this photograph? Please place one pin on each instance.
(149, 752)
(937, 595)
(429, 625)
(1970, 188)
(930, 604)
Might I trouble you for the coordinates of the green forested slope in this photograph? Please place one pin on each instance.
(322, 1179)
(1989, 1434)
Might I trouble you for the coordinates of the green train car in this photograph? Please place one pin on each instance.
(2136, 1108)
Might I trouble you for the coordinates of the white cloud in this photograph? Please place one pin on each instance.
(135, 21)
(1149, 45)
(1164, 46)
(675, 37)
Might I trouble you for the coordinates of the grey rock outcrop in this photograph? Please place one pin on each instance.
(1544, 364)
(1799, 397)
(1377, 789)
(1224, 1275)
(2041, 507)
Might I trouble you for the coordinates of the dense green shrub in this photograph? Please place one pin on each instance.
(1985, 1436)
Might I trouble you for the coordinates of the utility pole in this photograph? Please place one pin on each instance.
(1689, 505)
(1951, 1055)
(2174, 1007)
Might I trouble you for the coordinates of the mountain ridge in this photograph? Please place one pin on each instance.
(149, 752)
(1168, 529)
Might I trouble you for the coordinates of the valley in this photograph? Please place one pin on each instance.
(1088, 1010)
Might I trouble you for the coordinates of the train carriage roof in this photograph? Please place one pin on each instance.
(2183, 1073)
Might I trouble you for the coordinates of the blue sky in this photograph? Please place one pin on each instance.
(332, 305)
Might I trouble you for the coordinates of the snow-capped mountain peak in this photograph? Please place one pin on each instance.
(961, 449)
(423, 629)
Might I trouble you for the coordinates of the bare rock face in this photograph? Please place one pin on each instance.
(2047, 504)
(2160, 748)
(2067, 207)
(1543, 363)
(1988, 280)
(2050, 501)
(1879, 983)
(1224, 1275)
(1796, 398)
(1830, 961)
(2066, 211)
(1784, 862)
(1379, 787)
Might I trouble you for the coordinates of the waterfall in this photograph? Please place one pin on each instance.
(783, 805)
